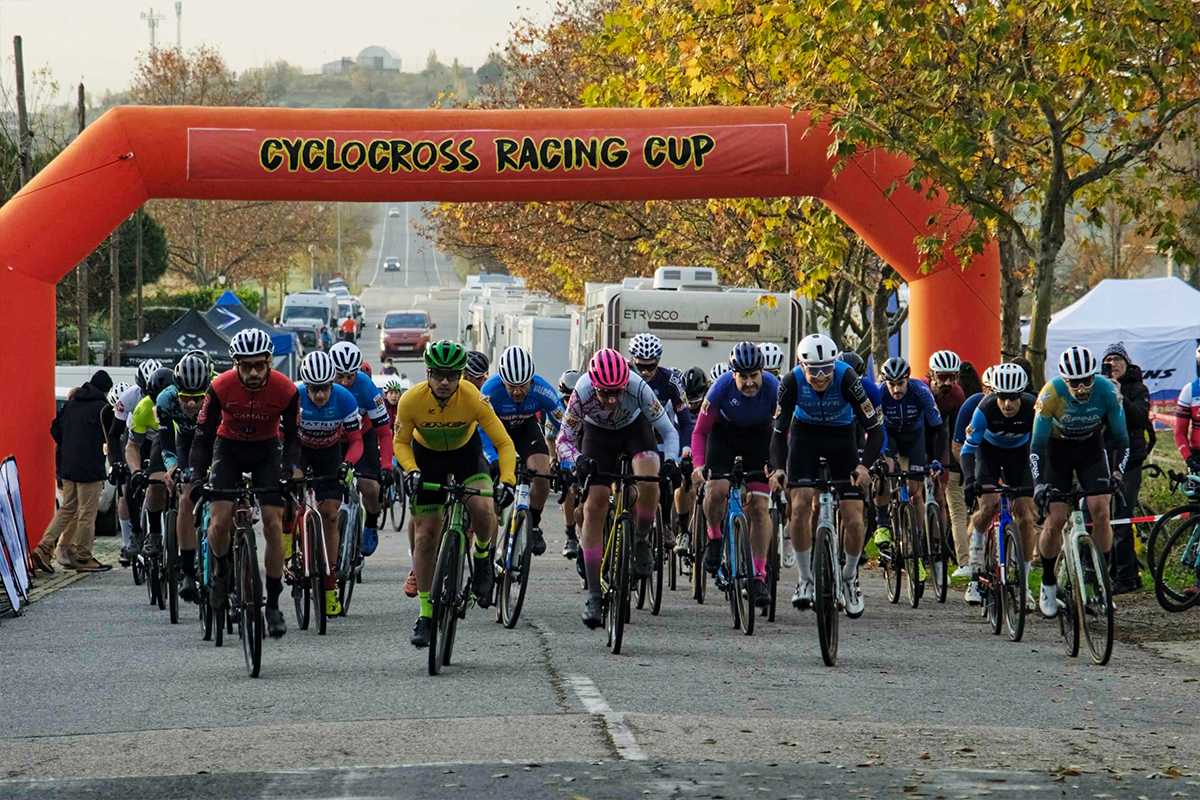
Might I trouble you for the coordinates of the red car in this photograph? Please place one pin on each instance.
(405, 332)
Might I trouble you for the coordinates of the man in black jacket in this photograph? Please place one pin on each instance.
(79, 435)
(1135, 397)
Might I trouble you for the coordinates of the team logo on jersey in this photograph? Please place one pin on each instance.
(656, 408)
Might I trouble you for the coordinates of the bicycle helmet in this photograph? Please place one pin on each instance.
(317, 369)
(346, 357)
(718, 369)
(114, 394)
(695, 383)
(945, 361)
(250, 342)
(608, 369)
(567, 381)
(192, 374)
(817, 350)
(202, 354)
(478, 364)
(855, 361)
(160, 380)
(393, 385)
(515, 366)
(895, 369)
(445, 354)
(1009, 379)
(645, 347)
(746, 357)
(145, 370)
(986, 377)
(1077, 362)
(772, 356)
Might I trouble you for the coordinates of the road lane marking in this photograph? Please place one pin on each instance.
(382, 241)
(406, 244)
(614, 721)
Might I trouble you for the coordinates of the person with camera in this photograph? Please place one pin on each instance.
(1135, 398)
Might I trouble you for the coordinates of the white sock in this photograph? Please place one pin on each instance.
(1028, 567)
(850, 571)
(977, 540)
(804, 564)
(126, 532)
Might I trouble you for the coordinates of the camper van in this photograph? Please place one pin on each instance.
(319, 306)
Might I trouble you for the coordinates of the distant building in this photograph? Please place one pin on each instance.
(339, 67)
(379, 59)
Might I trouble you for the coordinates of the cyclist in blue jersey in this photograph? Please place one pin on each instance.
(997, 449)
(735, 420)
(819, 402)
(518, 396)
(1072, 413)
(330, 436)
(967, 563)
(914, 429)
(375, 464)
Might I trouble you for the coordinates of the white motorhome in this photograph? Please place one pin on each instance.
(320, 306)
(697, 319)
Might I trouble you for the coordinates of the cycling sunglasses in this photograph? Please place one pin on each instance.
(444, 375)
(1008, 395)
(646, 369)
(610, 392)
(1081, 383)
(194, 397)
(819, 372)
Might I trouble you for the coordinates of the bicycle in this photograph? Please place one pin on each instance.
(394, 501)
(350, 526)
(1003, 580)
(514, 557)
(676, 559)
(908, 551)
(735, 576)
(308, 567)
(155, 559)
(452, 577)
(827, 559)
(650, 588)
(1084, 594)
(210, 626)
(699, 543)
(1173, 548)
(779, 533)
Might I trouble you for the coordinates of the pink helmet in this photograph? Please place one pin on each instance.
(608, 369)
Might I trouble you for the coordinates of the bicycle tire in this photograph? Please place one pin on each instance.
(316, 569)
(825, 601)
(911, 561)
(203, 608)
(742, 576)
(250, 604)
(1068, 617)
(774, 563)
(299, 571)
(171, 566)
(1172, 577)
(1162, 529)
(993, 600)
(935, 539)
(891, 563)
(1095, 597)
(619, 588)
(656, 576)
(1014, 584)
(444, 596)
(398, 507)
(699, 543)
(673, 563)
(509, 608)
(346, 558)
(466, 566)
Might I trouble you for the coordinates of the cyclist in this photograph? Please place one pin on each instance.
(115, 453)
(695, 388)
(961, 425)
(997, 449)
(1187, 422)
(1068, 442)
(436, 436)
(376, 461)
(477, 369)
(518, 397)
(914, 428)
(566, 385)
(772, 358)
(645, 352)
(330, 439)
(141, 449)
(945, 368)
(819, 402)
(118, 434)
(616, 413)
(718, 369)
(176, 408)
(735, 420)
(238, 431)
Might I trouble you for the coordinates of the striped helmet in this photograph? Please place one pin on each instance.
(250, 342)
(718, 369)
(895, 369)
(945, 361)
(1077, 362)
(317, 369)
(478, 364)
(1009, 379)
(346, 357)
(608, 369)
(986, 377)
(772, 355)
(516, 366)
(114, 394)
(445, 354)
(192, 374)
(746, 357)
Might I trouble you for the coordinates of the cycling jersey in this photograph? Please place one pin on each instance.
(916, 411)
(369, 398)
(542, 399)
(727, 407)
(143, 423)
(331, 424)
(175, 427)
(1061, 417)
(449, 425)
(1187, 419)
(668, 388)
(636, 400)
(964, 416)
(127, 402)
(839, 406)
(233, 412)
(988, 424)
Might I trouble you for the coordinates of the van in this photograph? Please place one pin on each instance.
(319, 306)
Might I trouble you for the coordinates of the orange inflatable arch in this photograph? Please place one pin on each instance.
(133, 154)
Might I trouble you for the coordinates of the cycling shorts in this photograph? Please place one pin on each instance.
(605, 446)
(528, 437)
(838, 445)
(1084, 459)
(909, 445)
(232, 458)
(726, 442)
(325, 462)
(368, 466)
(1008, 464)
(467, 464)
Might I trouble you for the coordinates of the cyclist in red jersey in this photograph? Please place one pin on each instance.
(238, 431)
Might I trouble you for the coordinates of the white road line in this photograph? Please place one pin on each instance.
(382, 241)
(406, 244)
(436, 271)
(594, 703)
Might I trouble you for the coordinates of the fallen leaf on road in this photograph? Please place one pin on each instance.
(924, 756)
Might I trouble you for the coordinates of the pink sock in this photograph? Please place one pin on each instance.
(592, 555)
(760, 567)
(714, 533)
(644, 517)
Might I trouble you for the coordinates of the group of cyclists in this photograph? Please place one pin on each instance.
(187, 426)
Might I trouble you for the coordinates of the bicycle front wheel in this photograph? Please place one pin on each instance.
(891, 562)
(935, 539)
(316, 570)
(447, 581)
(1014, 585)
(1068, 612)
(910, 540)
(1177, 567)
(993, 599)
(618, 584)
(514, 577)
(398, 508)
(742, 575)
(1095, 598)
(699, 543)
(825, 600)
(250, 604)
(171, 567)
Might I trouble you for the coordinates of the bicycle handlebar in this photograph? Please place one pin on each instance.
(1007, 491)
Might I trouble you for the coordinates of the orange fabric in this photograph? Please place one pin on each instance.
(132, 154)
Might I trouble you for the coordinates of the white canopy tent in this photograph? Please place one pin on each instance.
(1157, 319)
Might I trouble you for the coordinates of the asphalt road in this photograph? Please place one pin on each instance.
(103, 697)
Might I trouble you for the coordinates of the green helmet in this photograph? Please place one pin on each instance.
(445, 354)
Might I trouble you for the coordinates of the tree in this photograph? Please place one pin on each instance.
(1016, 110)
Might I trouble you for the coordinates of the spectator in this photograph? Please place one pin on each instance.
(968, 379)
(389, 367)
(79, 435)
(1024, 363)
(1135, 397)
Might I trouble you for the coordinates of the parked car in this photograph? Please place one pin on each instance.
(394, 211)
(309, 331)
(404, 332)
(391, 264)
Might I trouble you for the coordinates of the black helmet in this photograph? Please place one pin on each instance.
(567, 381)
(478, 364)
(855, 361)
(159, 380)
(695, 383)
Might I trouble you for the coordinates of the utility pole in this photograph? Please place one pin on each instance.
(179, 25)
(81, 272)
(152, 18)
(24, 137)
(137, 262)
(114, 307)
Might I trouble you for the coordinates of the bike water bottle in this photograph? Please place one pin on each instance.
(522, 501)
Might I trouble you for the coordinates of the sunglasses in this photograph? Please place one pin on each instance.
(609, 392)
(646, 369)
(191, 397)
(946, 377)
(1081, 383)
(320, 387)
(1007, 396)
(819, 372)
(444, 375)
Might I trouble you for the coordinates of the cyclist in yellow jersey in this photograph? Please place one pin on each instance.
(437, 435)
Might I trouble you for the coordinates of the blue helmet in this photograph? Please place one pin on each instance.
(746, 357)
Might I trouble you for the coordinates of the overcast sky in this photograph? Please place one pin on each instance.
(97, 41)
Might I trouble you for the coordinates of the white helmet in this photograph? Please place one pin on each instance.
(645, 347)
(346, 357)
(718, 369)
(317, 369)
(773, 354)
(986, 377)
(817, 350)
(1077, 362)
(516, 366)
(145, 370)
(114, 394)
(1009, 378)
(250, 342)
(945, 361)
